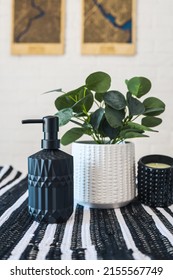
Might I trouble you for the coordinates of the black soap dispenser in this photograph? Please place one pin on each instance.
(50, 177)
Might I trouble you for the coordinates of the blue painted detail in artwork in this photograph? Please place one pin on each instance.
(40, 14)
(112, 19)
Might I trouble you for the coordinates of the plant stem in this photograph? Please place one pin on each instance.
(70, 97)
(78, 123)
(85, 89)
(135, 118)
(97, 103)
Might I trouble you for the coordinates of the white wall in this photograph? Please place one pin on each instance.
(24, 78)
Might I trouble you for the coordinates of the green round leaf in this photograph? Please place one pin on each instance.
(115, 99)
(114, 117)
(124, 132)
(80, 99)
(129, 135)
(138, 86)
(99, 96)
(153, 106)
(151, 121)
(98, 82)
(134, 125)
(77, 94)
(68, 99)
(96, 118)
(84, 104)
(134, 105)
(64, 116)
(107, 131)
(72, 135)
(63, 101)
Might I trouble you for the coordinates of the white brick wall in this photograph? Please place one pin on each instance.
(24, 78)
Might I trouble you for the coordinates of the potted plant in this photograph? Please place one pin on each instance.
(104, 168)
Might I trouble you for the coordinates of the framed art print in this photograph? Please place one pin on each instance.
(108, 27)
(38, 27)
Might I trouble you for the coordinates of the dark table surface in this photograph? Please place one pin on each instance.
(135, 231)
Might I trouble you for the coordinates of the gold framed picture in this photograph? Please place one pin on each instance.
(38, 27)
(108, 27)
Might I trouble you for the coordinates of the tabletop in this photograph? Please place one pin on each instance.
(132, 232)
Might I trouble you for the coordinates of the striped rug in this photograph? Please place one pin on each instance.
(132, 232)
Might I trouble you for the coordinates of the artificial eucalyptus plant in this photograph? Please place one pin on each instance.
(107, 115)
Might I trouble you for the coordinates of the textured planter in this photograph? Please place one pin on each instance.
(104, 175)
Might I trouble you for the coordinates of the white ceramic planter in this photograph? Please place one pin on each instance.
(104, 175)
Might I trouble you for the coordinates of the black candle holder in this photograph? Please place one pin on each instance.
(155, 185)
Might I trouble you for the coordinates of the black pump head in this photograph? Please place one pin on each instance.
(50, 129)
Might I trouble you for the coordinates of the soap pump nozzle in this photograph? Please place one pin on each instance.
(50, 129)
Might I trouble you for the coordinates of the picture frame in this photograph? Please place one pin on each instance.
(38, 28)
(108, 27)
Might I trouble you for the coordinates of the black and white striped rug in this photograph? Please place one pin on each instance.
(131, 232)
